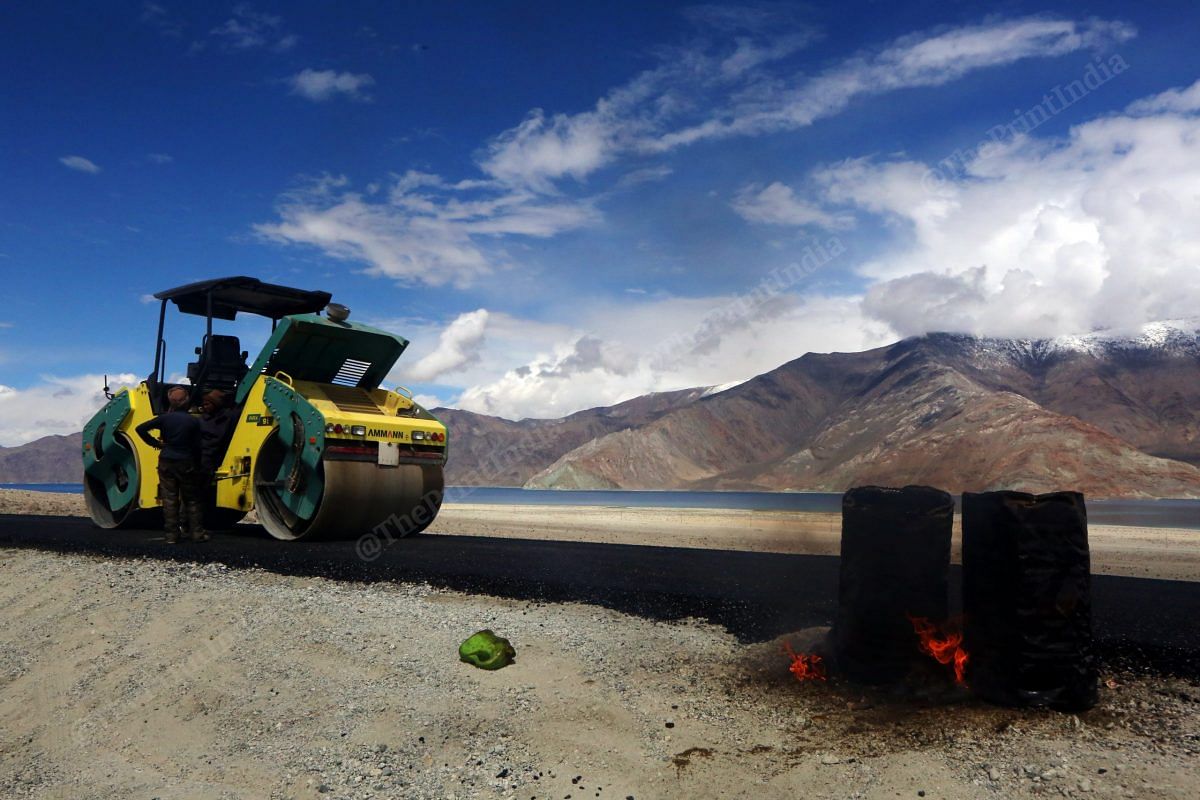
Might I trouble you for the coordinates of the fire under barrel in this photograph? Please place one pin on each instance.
(1027, 599)
(895, 566)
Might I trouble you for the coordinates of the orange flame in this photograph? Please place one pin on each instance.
(805, 666)
(944, 646)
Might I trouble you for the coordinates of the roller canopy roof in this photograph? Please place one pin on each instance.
(249, 295)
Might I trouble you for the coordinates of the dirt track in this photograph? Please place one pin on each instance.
(144, 679)
(157, 677)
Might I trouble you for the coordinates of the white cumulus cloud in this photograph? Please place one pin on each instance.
(458, 346)
(53, 405)
(623, 350)
(614, 350)
(540, 149)
(1042, 236)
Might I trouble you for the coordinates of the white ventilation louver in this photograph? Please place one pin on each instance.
(351, 372)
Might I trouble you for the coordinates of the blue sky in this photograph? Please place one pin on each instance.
(567, 205)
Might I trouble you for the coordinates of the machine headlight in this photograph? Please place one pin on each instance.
(418, 436)
(358, 430)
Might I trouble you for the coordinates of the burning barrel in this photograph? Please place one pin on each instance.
(1027, 599)
(895, 567)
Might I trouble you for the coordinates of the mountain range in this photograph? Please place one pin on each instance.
(1109, 415)
(1113, 416)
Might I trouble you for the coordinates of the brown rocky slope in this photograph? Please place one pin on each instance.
(962, 413)
(51, 459)
(493, 451)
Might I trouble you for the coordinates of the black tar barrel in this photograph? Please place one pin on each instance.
(895, 563)
(1027, 599)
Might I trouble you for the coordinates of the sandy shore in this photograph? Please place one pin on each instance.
(149, 679)
(1142, 552)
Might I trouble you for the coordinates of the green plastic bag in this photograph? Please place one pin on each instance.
(486, 650)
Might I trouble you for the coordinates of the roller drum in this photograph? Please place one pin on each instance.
(96, 496)
(358, 498)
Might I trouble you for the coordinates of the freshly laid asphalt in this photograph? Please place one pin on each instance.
(1139, 623)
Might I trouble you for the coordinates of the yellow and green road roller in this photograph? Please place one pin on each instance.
(317, 447)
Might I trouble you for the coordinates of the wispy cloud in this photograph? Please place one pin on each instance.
(79, 163)
(157, 17)
(644, 175)
(732, 80)
(1184, 100)
(248, 29)
(418, 228)
(713, 91)
(159, 158)
(778, 205)
(322, 85)
(917, 60)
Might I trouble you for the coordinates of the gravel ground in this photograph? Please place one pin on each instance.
(145, 679)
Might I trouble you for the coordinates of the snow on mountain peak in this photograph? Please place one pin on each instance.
(711, 390)
(1181, 335)
(1175, 336)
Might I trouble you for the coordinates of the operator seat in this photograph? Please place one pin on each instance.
(222, 364)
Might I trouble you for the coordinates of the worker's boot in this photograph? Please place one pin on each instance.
(195, 520)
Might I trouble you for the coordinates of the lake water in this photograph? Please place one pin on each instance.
(1151, 513)
(67, 488)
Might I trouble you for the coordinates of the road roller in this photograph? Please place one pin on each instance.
(316, 447)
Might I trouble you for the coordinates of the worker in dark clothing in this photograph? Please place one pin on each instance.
(216, 425)
(178, 464)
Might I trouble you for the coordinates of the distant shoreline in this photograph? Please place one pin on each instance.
(1162, 513)
(767, 492)
(35, 486)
